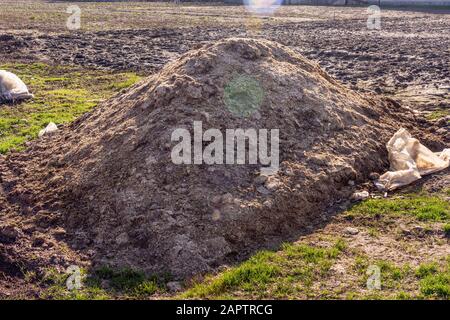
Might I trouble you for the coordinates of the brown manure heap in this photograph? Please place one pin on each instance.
(107, 187)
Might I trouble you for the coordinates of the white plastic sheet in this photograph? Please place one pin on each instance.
(49, 129)
(410, 160)
(12, 88)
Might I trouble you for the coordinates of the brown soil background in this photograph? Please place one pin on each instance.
(406, 59)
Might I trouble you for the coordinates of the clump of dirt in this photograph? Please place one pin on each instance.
(107, 186)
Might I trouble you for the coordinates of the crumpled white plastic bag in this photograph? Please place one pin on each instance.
(12, 88)
(49, 129)
(410, 160)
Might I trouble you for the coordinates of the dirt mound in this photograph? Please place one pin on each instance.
(110, 183)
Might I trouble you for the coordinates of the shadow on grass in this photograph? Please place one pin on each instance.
(103, 284)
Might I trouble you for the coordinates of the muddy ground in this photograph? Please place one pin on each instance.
(407, 58)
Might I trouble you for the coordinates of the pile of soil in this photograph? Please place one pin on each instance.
(105, 188)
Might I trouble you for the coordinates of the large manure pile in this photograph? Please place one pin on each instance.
(107, 186)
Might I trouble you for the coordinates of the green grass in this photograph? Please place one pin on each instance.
(427, 269)
(430, 280)
(62, 93)
(252, 275)
(438, 114)
(422, 207)
(303, 271)
(435, 280)
(437, 285)
(243, 95)
(446, 229)
(104, 283)
(289, 272)
(128, 82)
(391, 274)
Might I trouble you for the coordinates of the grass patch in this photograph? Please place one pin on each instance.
(289, 272)
(391, 275)
(252, 275)
(426, 269)
(422, 207)
(62, 93)
(435, 280)
(128, 82)
(438, 114)
(446, 229)
(104, 283)
(430, 280)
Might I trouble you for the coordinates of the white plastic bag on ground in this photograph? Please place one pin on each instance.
(12, 88)
(410, 160)
(360, 195)
(49, 129)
